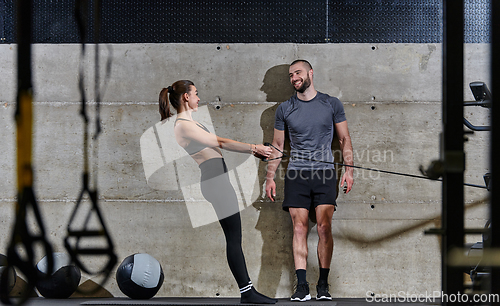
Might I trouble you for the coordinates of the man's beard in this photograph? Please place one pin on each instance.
(305, 85)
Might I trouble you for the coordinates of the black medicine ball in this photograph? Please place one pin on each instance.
(10, 273)
(139, 276)
(60, 284)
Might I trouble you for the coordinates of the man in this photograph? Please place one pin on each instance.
(312, 118)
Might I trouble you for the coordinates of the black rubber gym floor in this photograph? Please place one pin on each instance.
(202, 301)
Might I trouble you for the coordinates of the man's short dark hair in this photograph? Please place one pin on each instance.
(302, 61)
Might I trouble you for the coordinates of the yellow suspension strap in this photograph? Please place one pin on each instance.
(25, 241)
(87, 234)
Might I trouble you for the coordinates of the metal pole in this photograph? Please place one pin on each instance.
(453, 143)
(495, 145)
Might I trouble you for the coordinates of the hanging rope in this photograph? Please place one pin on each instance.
(88, 233)
(23, 241)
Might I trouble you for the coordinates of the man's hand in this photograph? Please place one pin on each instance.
(272, 166)
(347, 179)
(346, 147)
(270, 189)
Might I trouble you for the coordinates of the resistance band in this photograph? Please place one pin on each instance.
(357, 167)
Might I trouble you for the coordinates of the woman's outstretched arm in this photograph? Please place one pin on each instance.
(191, 132)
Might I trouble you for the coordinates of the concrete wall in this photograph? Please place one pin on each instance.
(392, 98)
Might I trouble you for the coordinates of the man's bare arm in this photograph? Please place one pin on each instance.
(278, 142)
(347, 153)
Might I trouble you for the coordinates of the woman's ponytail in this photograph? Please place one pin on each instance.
(165, 111)
(172, 95)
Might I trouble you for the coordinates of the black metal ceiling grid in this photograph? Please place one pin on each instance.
(214, 21)
(477, 21)
(7, 20)
(375, 21)
(54, 21)
(253, 21)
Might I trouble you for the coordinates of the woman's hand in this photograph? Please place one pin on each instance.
(262, 151)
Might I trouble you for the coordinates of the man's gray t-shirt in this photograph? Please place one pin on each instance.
(311, 127)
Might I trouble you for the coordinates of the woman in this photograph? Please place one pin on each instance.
(204, 147)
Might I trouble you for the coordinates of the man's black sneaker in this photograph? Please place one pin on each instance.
(322, 292)
(302, 293)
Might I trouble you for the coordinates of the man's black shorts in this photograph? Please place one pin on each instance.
(306, 189)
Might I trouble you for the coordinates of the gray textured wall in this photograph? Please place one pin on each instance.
(391, 94)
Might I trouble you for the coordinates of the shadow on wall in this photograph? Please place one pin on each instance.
(274, 223)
